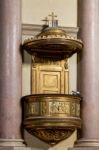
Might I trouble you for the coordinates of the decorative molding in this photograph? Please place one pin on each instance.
(34, 29)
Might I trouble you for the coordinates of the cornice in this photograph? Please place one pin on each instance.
(34, 29)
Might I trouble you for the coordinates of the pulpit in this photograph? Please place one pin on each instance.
(51, 113)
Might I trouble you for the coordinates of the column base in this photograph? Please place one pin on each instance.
(14, 148)
(86, 144)
(84, 148)
(13, 144)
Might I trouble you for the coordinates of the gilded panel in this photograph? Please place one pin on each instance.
(49, 76)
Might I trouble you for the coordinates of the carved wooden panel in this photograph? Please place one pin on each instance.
(50, 82)
(49, 76)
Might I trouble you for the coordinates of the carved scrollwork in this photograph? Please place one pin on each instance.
(52, 136)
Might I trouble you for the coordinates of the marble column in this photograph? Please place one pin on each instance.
(10, 74)
(88, 65)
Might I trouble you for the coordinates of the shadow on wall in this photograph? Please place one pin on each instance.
(26, 58)
(37, 144)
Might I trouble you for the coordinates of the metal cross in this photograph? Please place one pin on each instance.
(53, 20)
(53, 16)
